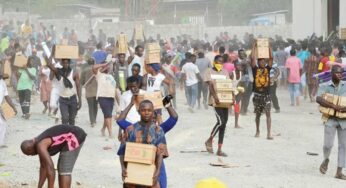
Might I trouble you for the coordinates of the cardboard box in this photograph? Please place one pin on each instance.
(332, 99)
(140, 153)
(20, 60)
(342, 103)
(152, 53)
(7, 111)
(140, 174)
(225, 98)
(154, 97)
(262, 48)
(139, 32)
(223, 85)
(122, 46)
(66, 52)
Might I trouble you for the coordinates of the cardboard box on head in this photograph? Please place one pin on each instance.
(152, 54)
(66, 52)
(122, 46)
(263, 48)
(139, 32)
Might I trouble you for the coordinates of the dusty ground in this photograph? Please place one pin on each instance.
(260, 163)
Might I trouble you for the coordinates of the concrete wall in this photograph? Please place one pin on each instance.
(82, 27)
(309, 16)
(342, 14)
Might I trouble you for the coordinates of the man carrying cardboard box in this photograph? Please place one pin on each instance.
(69, 82)
(146, 132)
(333, 123)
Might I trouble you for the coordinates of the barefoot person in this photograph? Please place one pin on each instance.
(64, 139)
(261, 100)
(106, 92)
(154, 135)
(221, 112)
(334, 124)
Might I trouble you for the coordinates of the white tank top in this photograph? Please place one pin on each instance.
(67, 92)
(235, 80)
(154, 82)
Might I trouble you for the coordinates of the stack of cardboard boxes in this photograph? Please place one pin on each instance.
(139, 32)
(224, 91)
(140, 160)
(122, 47)
(337, 100)
(152, 53)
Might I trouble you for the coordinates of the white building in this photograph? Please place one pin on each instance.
(317, 16)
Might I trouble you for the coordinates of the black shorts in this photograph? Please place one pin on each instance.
(262, 103)
(106, 104)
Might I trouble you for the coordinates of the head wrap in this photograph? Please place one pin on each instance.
(99, 56)
(156, 67)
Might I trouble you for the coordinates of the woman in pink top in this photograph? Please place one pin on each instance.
(294, 72)
(228, 65)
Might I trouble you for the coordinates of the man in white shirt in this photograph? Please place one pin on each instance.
(137, 59)
(4, 95)
(133, 88)
(191, 75)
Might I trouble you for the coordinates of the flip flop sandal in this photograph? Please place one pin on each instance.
(341, 177)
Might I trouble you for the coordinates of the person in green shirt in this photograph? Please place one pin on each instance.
(25, 84)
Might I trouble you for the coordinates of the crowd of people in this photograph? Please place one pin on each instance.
(114, 80)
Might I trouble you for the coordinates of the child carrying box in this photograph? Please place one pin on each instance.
(141, 163)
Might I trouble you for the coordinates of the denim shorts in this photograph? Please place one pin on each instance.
(106, 104)
(67, 159)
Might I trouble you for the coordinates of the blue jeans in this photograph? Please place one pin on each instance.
(192, 92)
(294, 88)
